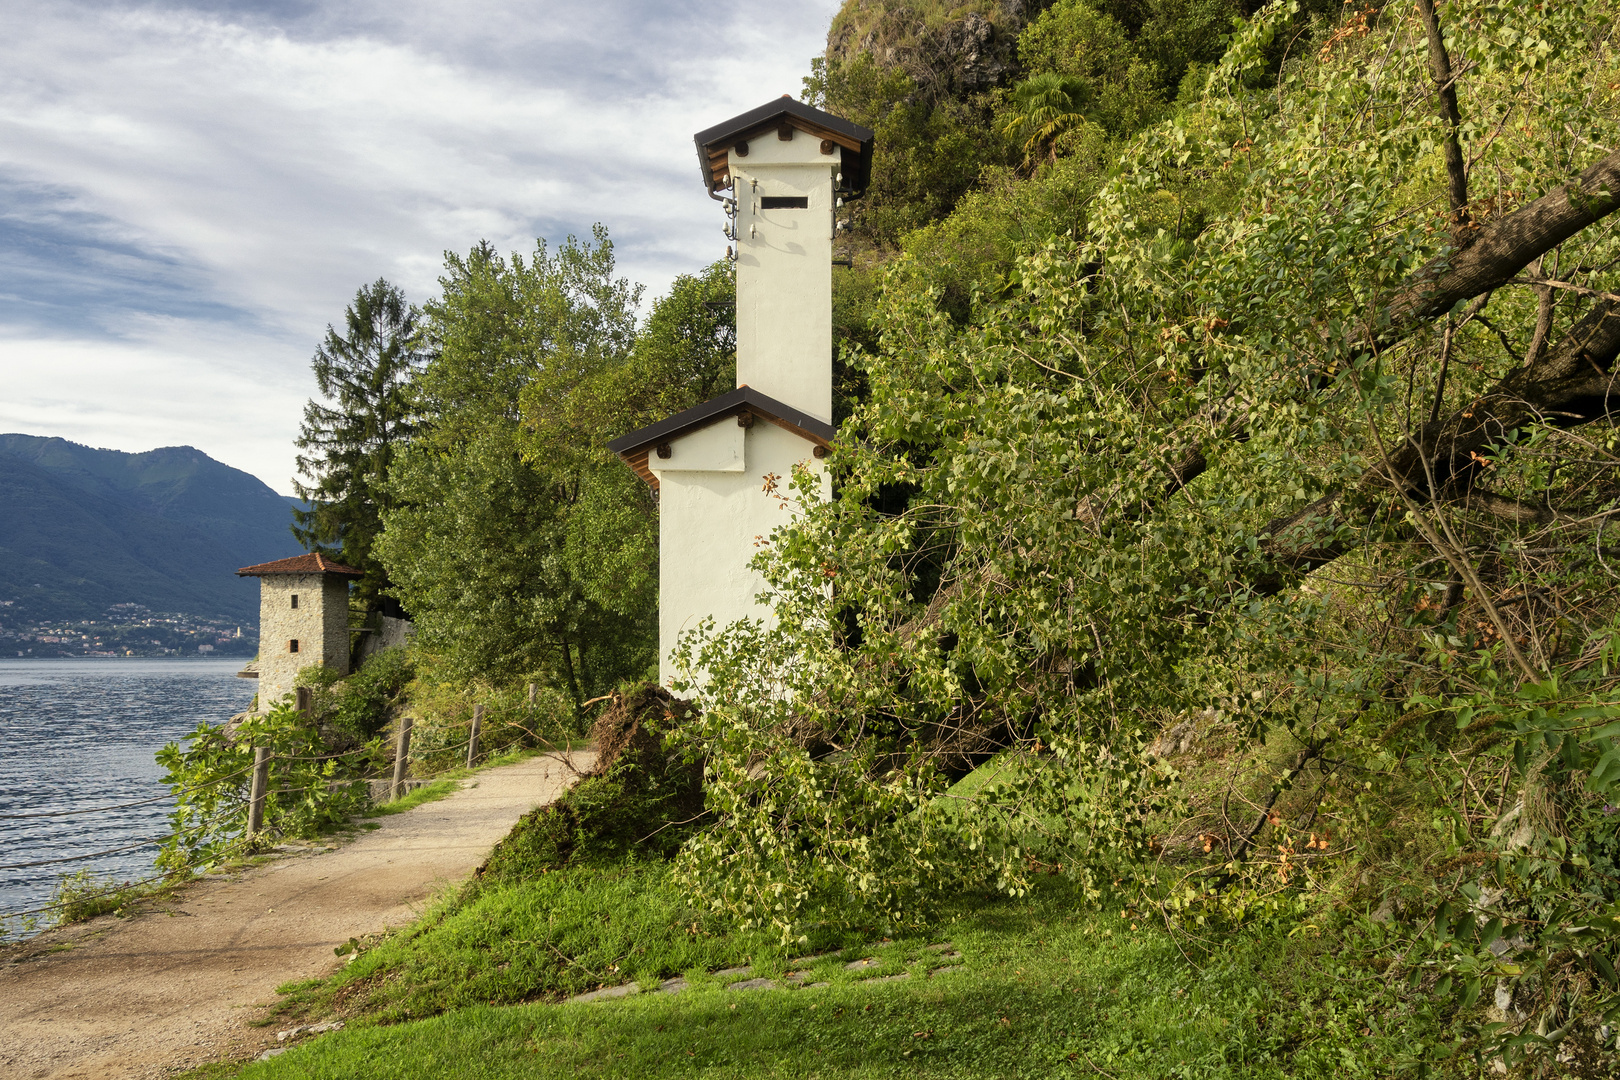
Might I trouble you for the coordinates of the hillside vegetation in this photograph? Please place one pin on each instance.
(1221, 550)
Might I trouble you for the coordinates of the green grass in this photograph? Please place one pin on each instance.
(1049, 985)
(430, 792)
(1046, 989)
(501, 942)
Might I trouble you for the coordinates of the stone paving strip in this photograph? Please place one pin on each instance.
(945, 959)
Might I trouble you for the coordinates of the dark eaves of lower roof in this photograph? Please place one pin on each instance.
(742, 399)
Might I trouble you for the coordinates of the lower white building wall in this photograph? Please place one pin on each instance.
(710, 524)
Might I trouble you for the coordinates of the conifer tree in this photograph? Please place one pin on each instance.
(348, 439)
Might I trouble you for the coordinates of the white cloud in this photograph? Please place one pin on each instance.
(187, 196)
(225, 396)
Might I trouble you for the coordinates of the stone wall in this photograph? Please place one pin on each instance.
(389, 633)
(320, 625)
(335, 619)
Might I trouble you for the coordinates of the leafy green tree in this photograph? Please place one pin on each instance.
(684, 353)
(348, 443)
(1075, 40)
(931, 149)
(476, 539)
(520, 544)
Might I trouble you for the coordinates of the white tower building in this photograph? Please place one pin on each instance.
(715, 467)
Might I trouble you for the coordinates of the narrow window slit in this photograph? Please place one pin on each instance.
(292, 646)
(784, 202)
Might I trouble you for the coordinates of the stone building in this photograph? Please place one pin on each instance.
(723, 469)
(303, 620)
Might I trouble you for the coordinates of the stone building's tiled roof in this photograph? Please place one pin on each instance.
(312, 563)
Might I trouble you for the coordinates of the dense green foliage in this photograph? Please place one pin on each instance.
(350, 712)
(635, 802)
(1139, 499)
(482, 540)
(347, 448)
(933, 149)
(519, 544)
(511, 721)
(311, 788)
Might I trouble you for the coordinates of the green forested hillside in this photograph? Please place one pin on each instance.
(165, 529)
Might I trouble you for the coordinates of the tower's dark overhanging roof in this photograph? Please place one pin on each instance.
(634, 447)
(854, 141)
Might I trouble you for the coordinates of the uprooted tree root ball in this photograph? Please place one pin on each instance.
(637, 800)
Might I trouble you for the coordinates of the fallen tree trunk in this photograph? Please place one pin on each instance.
(1575, 382)
(1491, 258)
(1500, 250)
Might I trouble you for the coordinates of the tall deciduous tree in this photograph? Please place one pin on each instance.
(348, 440)
(520, 544)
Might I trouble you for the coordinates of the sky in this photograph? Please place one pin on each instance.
(190, 193)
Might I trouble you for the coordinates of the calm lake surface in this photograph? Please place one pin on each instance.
(78, 733)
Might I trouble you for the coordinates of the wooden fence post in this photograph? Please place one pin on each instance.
(261, 781)
(472, 740)
(304, 700)
(402, 753)
(531, 696)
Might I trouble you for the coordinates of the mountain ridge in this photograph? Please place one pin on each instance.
(86, 528)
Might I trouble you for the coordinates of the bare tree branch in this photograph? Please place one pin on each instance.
(1446, 89)
(1575, 382)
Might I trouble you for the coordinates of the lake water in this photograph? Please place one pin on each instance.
(77, 733)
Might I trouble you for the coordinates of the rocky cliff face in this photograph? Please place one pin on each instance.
(948, 50)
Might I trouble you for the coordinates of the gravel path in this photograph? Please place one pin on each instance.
(176, 986)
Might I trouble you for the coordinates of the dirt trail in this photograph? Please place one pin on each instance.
(175, 987)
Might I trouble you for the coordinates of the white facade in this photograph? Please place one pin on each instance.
(714, 513)
(724, 469)
(784, 267)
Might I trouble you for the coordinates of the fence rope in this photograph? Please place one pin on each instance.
(81, 858)
(242, 842)
(126, 806)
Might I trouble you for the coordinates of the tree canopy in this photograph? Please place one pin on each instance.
(347, 447)
(519, 543)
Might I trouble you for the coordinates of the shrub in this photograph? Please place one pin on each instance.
(635, 799)
(443, 717)
(310, 787)
(350, 711)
